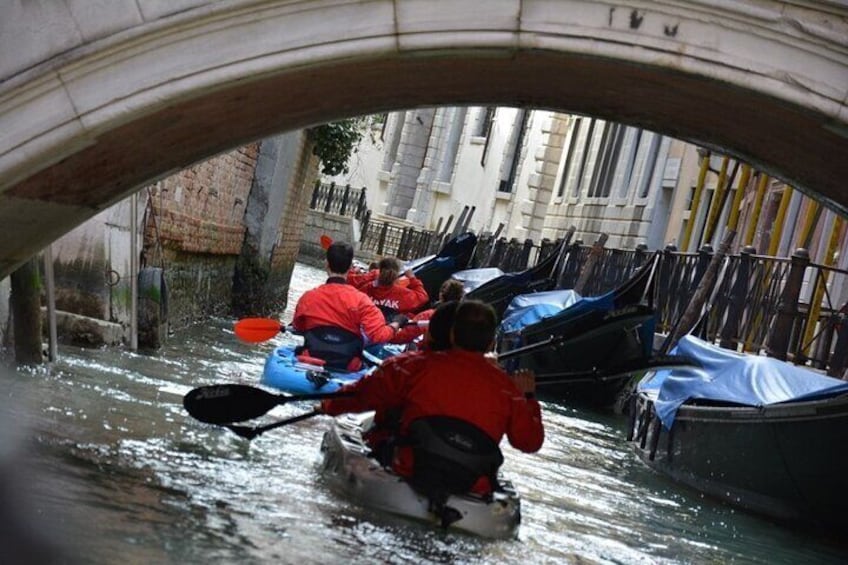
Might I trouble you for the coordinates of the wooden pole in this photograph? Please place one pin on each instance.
(718, 200)
(591, 261)
(821, 284)
(779, 221)
(134, 272)
(696, 201)
(693, 310)
(50, 289)
(26, 313)
(733, 219)
(755, 211)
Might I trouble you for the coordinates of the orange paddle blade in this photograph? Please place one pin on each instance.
(255, 330)
(326, 241)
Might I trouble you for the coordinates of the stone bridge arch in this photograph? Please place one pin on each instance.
(99, 98)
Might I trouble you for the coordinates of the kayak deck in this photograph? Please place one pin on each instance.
(348, 468)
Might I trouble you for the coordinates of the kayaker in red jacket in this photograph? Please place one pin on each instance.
(459, 383)
(334, 317)
(387, 422)
(360, 278)
(451, 290)
(393, 298)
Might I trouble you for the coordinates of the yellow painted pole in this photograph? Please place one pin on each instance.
(810, 221)
(733, 219)
(696, 200)
(779, 221)
(821, 284)
(774, 246)
(757, 208)
(718, 197)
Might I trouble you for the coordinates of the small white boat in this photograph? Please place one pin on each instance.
(348, 468)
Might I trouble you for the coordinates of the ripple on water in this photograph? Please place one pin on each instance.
(130, 477)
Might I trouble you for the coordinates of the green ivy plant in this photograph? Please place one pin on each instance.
(335, 142)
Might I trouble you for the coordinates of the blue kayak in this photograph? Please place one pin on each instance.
(283, 371)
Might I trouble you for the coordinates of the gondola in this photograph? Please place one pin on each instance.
(499, 291)
(454, 256)
(614, 329)
(755, 432)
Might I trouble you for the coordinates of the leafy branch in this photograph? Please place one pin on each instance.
(335, 142)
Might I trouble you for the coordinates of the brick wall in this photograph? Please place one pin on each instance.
(195, 229)
(201, 209)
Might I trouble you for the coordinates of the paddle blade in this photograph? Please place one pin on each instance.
(326, 241)
(223, 404)
(255, 330)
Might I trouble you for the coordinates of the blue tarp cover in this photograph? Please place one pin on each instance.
(526, 309)
(472, 278)
(729, 376)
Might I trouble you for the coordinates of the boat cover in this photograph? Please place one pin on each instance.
(526, 309)
(728, 376)
(472, 278)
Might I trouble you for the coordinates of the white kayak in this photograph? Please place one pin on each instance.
(346, 466)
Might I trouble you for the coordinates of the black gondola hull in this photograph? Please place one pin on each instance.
(786, 461)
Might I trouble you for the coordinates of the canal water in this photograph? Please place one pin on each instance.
(100, 464)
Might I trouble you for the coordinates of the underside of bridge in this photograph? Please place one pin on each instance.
(43, 195)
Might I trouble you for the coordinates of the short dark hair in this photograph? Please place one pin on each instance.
(474, 326)
(440, 325)
(451, 289)
(339, 256)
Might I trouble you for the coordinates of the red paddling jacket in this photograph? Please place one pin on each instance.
(409, 333)
(363, 278)
(456, 383)
(336, 304)
(396, 298)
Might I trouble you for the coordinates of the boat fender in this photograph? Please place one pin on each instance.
(647, 414)
(631, 416)
(656, 429)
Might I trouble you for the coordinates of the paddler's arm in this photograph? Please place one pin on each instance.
(373, 322)
(525, 431)
(377, 391)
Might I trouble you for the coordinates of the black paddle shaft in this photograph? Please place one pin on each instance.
(227, 403)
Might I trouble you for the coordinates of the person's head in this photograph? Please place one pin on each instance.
(389, 271)
(474, 326)
(439, 329)
(339, 257)
(451, 289)
(373, 266)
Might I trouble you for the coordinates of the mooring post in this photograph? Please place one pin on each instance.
(50, 290)
(738, 294)
(589, 266)
(694, 308)
(787, 308)
(26, 312)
